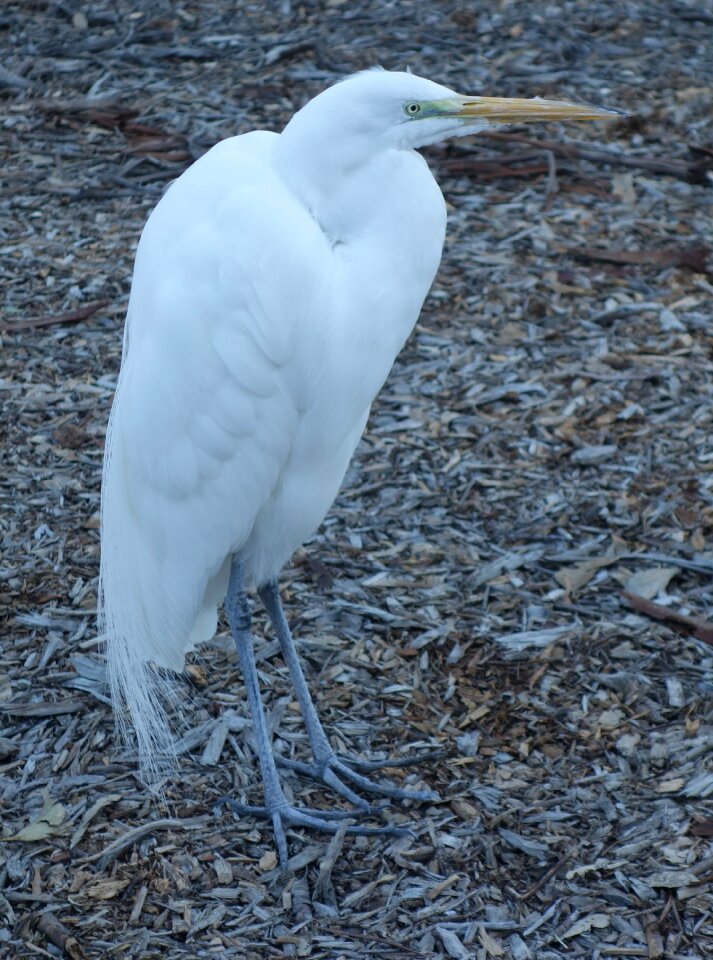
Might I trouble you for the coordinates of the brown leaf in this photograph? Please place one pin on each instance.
(322, 573)
(71, 436)
(702, 829)
(197, 674)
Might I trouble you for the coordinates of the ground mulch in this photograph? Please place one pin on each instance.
(517, 572)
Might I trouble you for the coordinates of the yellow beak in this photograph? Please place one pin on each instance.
(516, 110)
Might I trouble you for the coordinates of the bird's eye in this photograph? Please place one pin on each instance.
(412, 109)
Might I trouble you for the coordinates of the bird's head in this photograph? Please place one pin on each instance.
(394, 109)
(343, 128)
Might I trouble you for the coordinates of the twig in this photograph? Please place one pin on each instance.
(552, 184)
(58, 935)
(693, 172)
(126, 840)
(323, 890)
(624, 952)
(549, 874)
(653, 936)
(625, 310)
(701, 566)
(495, 166)
(686, 625)
(81, 105)
(72, 316)
(693, 256)
(42, 709)
(10, 79)
(374, 938)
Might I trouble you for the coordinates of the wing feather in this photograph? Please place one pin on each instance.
(204, 417)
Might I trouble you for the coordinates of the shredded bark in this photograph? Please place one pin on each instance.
(542, 445)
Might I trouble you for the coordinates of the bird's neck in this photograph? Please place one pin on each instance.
(321, 167)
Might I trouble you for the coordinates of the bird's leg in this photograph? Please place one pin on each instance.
(326, 765)
(276, 808)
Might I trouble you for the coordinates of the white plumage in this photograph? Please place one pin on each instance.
(274, 285)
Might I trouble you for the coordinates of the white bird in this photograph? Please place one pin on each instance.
(274, 285)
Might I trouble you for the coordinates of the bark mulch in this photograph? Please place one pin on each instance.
(518, 569)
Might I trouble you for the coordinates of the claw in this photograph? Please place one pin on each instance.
(284, 814)
(331, 769)
(323, 774)
(423, 757)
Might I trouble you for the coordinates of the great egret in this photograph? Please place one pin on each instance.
(274, 285)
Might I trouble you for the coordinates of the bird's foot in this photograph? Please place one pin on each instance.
(283, 814)
(412, 761)
(333, 770)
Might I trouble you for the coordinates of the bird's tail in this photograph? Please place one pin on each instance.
(127, 617)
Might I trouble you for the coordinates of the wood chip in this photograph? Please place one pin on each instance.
(544, 436)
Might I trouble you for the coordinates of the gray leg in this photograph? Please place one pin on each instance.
(327, 766)
(276, 808)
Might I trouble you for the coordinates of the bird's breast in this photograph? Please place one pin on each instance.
(386, 257)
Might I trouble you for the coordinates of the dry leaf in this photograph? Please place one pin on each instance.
(649, 583)
(670, 786)
(585, 924)
(197, 674)
(672, 879)
(594, 454)
(610, 719)
(268, 861)
(574, 577)
(223, 870)
(50, 817)
(465, 810)
(492, 947)
(623, 187)
(105, 889)
(452, 945)
(628, 743)
(437, 889)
